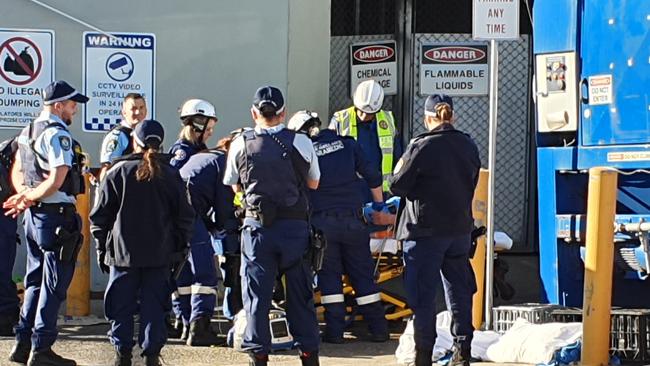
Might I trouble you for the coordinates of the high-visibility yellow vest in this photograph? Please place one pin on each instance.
(347, 126)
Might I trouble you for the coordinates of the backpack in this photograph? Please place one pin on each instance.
(8, 149)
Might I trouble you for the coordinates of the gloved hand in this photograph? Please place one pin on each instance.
(101, 256)
(378, 206)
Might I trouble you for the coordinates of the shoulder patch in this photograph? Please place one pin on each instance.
(65, 142)
(180, 155)
(111, 146)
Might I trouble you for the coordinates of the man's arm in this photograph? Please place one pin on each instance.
(405, 173)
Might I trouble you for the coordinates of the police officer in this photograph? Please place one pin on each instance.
(198, 118)
(213, 202)
(274, 166)
(51, 163)
(437, 176)
(138, 256)
(117, 141)
(374, 129)
(336, 211)
(9, 302)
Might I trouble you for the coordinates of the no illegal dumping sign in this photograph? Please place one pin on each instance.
(113, 68)
(26, 67)
(454, 69)
(376, 61)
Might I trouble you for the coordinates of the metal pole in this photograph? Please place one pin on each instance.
(489, 261)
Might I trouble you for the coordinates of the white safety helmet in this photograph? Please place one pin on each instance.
(369, 96)
(305, 121)
(198, 107)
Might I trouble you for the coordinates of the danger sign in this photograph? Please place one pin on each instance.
(600, 90)
(454, 69)
(374, 61)
(26, 67)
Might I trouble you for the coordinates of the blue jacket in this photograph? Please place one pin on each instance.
(211, 199)
(340, 159)
(437, 175)
(141, 223)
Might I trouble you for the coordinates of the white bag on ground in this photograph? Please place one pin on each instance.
(533, 343)
(405, 352)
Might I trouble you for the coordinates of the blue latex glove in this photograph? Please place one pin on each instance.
(378, 206)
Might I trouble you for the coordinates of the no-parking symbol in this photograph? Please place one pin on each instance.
(26, 67)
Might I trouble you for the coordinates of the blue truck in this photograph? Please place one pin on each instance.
(592, 100)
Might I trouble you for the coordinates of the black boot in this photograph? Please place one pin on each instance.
(309, 358)
(152, 360)
(122, 358)
(423, 357)
(201, 334)
(20, 352)
(379, 337)
(47, 357)
(7, 323)
(258, 359)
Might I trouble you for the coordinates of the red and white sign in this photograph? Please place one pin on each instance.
(600, 90)
(376, 61)
(455, 69)
(26, 67)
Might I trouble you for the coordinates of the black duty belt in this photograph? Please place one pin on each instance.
(61, 208)
(288, 215)
(340, 213)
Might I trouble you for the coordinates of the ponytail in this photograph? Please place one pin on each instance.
(148, 168)
(444, 112)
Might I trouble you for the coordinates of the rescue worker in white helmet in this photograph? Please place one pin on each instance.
(336, 211)
(196, 293)
(374, 129)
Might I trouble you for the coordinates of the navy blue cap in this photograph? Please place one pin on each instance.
(149, 133)
(433, 101)
(60, 91)
(269, 95)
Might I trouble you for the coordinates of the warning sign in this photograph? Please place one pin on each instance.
(112, 68)
(454, 69)
(374, 61)
(26, 67)
(600, 90)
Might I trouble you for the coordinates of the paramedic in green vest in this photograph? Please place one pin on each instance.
(373, 128)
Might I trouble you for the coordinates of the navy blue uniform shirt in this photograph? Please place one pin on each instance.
(437, 175)
(203, 173)
(340, 159)
(369, 141)
(141, 223)
(182, 150)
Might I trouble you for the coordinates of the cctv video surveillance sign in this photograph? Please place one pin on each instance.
(112, 68)
(374, 61)
(26, 67)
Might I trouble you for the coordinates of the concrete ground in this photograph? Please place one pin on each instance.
(88, 344)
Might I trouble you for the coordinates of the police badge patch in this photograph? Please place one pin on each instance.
(383, 124)
(180, 155)
(64, 141)
(110, 147)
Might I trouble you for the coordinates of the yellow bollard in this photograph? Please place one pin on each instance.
(599, 263)
(78, 301)
(479, 211)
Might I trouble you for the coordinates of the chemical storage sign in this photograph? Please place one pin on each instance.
(376, 61)
(26, 67)
(113, 68)
(454, 69)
